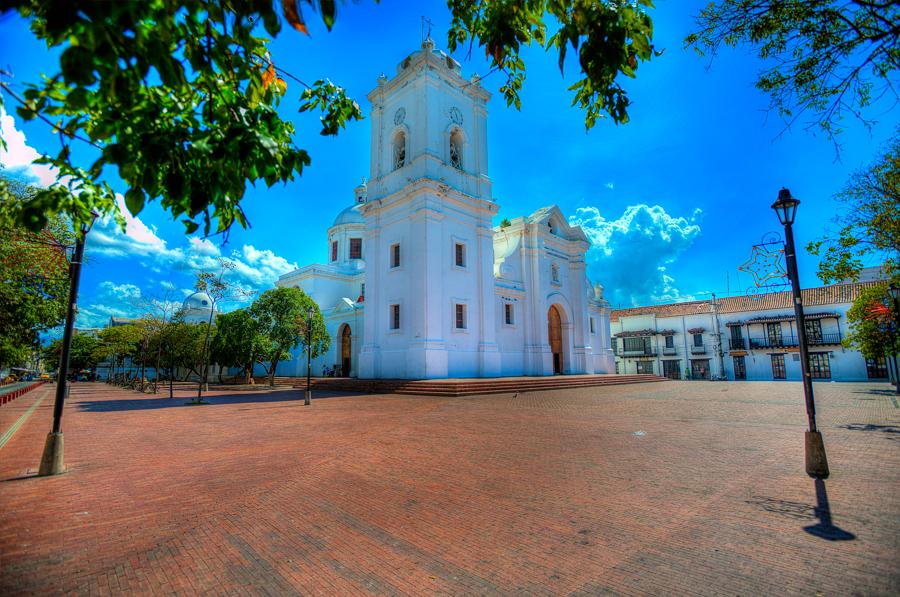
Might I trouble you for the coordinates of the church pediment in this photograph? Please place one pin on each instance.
(553, 219)
(344, 304)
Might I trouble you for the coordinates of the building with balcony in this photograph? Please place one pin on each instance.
(743, 337)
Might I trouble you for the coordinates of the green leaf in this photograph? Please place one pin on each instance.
(134, 201)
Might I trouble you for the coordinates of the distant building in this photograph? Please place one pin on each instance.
(92, 332)
(117, 321)
(868, 274)
(743, 337)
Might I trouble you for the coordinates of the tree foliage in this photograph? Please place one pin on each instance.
(873, 324)
(179, 97)
(281, 318)
(827, 58)
(120, 342)
(34, 282)
(237, 342)
(609, 37)
(869, 224)
(182, 345)
(86, 351)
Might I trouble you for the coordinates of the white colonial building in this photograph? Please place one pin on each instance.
(419, 283)
(744, 337)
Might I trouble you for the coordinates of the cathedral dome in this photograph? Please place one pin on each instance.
(351, 215)
(199, 301)
(197, 308)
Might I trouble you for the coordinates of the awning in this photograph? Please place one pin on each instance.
(635, 333)
(790, 317)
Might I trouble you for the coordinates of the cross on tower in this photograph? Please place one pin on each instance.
(426, 34)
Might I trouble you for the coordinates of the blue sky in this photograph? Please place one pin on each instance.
(673, 200)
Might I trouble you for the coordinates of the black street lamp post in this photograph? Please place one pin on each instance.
(816, 461)
(309, 314)
(894, 290)
(52, 458)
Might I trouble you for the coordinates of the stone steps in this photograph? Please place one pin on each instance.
(470, 387)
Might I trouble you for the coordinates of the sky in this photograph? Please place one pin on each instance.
(672, 201)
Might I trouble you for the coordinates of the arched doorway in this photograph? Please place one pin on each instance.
(345, 350)
(554, 333)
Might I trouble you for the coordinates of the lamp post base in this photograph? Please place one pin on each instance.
(308, 399)
(52, 459)
(816, 462)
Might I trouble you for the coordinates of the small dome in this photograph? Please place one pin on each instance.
(351, 215)
(198, 301)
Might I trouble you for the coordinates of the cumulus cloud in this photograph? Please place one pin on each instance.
(630, 255)
(18, 156)
(125, 301)
(254, 269)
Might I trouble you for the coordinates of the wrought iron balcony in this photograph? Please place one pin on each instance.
(645, 352)
(783, 341)
(737, 344)
(698, 349)
(668, 350)
(823, 339)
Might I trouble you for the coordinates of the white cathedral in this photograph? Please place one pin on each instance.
(419, 284)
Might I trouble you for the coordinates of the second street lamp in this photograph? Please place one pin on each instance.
(816, 461)
(894, 291)
(309, 314)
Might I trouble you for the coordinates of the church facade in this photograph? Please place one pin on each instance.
(419, 283)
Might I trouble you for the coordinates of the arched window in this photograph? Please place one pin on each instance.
(456, 146)
(399, 150)
(554, 272)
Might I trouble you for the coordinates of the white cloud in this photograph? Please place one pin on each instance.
(123, 300)
(254, 269)
(18, 156)
(121, 291)
(629, 255)
(610, 185)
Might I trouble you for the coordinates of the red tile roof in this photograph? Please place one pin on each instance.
(812, 297)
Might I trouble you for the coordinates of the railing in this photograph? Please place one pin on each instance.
(698, 349)
(646, 352)
(789, 340)
(824, 339)
(737, 344)
(773, 342)
(668, 350)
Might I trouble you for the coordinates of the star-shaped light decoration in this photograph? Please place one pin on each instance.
(766, 265)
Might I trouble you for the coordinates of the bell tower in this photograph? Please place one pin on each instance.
(429, 121)
(430, 289)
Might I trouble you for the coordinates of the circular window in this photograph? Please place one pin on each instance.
(204, 303)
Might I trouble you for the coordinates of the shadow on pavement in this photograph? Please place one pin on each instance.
(824, 529)
(893, 430)
(179, 401)
(890, 392)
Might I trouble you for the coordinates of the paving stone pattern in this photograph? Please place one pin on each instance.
(687, 488)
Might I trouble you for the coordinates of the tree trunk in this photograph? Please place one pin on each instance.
(158, 359)
(143, 361)
(272, 374)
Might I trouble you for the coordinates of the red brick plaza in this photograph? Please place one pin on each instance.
(676, 488)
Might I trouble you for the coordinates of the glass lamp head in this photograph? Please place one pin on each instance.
(786, 207)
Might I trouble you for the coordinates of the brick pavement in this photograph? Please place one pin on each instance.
(548, 493)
